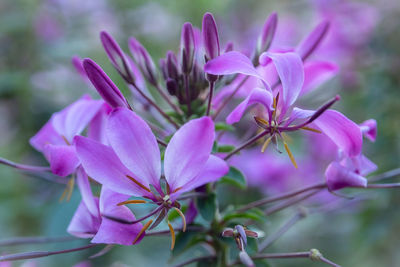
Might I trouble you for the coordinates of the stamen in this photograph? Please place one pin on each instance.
(266, 143)
(275, 104)
(134, 201)
(67, 193)
(261, 122)
(183, 218)
(171, 229)
(138, 183)
(65, 140)
(310, 129)
(142, 231)
(177, 189)
(290, 154)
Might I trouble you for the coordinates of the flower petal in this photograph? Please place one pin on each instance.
(338, 177)
(342, 131)
(97, 126)
(231, 63)
(86, 192)
(291, 73)
(135, 144)
(257, 96)
(316, 73)
(188, 151)
(103, 165)
(62, 158)
(46, 135)
(83, 223)
(369, 129)
(298, 113)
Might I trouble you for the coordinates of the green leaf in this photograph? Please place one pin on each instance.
(221, 126)
(186, 240)
(253, 214)
(206, 263)
(225, 148)
(234, 177)
(207, 207)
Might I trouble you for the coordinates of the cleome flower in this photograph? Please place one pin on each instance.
(131, 165)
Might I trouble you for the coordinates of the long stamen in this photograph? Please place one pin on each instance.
(134, 201)
(290, 154)
(310, 129)
(67, 193)
(183, 219)
(266, 143)
(171, 229)
(138, 183)
(65, 140)
(261, 122)
(142, 231)
(177, 189)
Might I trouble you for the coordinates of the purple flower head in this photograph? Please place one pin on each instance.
(187, 47)
(131, 165)
(103, 84)
(143, 60)
(88, 222)
(56, 137)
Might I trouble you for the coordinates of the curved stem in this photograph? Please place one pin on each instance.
(247, 143)
(35, 240)
(385, 175)
(188, 95)
(24, 167)
(210, 96)
(116, 219)
(168, 100)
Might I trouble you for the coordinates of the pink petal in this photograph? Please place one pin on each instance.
(369, 129)
(103, 165)
(135, 145)
(46, 135)
(83, 223)
(97, 126)
(62, 158)
(232, 63)
(342, 131)
(257, 96)
(316, 73)
(291, 73)
(338, 177)
(298, 114)
(188, 151)
(86, 192)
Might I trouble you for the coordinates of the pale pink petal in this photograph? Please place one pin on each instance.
(83, 223)
(97, 126)
(338, 177)
(62, 158)
(46, 135)
(86, 192)
(188, 151)
(257, 96)
(316, 73)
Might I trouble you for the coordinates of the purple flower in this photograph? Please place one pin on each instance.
(131, 165)
(88, 222)
(56, 137)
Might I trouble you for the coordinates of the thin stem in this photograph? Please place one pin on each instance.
(116, 219)
(282, 230)
(195, 260)
(280, 197)
(385, 175)
(151, 102)
(247, 143)
(40, 254)
(210, 96)
(282, 255)
(393, 185)
(161, 142)
(290, 202)
(188, 95)
(226, 101)
(35, 240)
(168, 100)
(167, 232)
(24, 167)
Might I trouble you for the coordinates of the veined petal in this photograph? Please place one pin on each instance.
(188, 151)
(291, 73)
(103, 165)
(214, 169)
(86, 192)
(316, 73)
(62, 158)
(97, 126)
(72, 120)
(231, 63)
(46, 135)
(257, 96)
(338, 177)
(342, 131)
(135, 145)
(83, 223)
(298, 113)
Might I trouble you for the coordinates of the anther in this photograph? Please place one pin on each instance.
(138, 183)
(171, 229)
(147, 225)
(266, 143)
(290, 154)
(310, 129)
(134, 201)
(183, 219)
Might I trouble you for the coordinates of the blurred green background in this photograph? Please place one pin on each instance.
(37, 41)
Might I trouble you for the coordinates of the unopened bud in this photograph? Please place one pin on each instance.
(228, 232)
(210, 36)
(187, 47)
(143, 60)
(172, 66)
(313, 40)
(267, 34)
(315, 255)
(172, 87)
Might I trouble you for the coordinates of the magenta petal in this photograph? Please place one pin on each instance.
(73, 120)
(111, 232)
(257, 96)
(188, 151)
(103, 165)
(46, 135)
(62, 158)
(83, 224)
(231, 63)
(135, 144)
(298, 114)
(86, 192)
(97, 126)
(342, 131)
(369, 129)
(291, 73)
(214, 169)
(338, 177)
(316, 73)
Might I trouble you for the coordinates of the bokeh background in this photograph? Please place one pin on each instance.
(38, 39)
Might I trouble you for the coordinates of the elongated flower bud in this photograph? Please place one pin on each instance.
(172, 66)
(116, 56)
(144, 60)
(313, 40)
(103, 84)
(187, 47)
(210, 36)
(267, 34)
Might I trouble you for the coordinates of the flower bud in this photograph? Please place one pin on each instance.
(245, 259)
(313, 40)
(116, 56)
(144, 61)
(163, 67)
(103, 84)
(267, 34)
(210, 36)
(187, 47)
(172, 66)
(172, 87)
